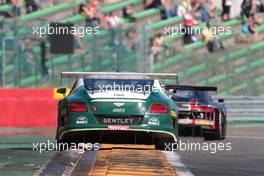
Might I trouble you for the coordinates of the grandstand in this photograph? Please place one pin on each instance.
(235, 70)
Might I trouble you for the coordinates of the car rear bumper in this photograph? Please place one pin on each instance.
(196, 122)
(114, 135)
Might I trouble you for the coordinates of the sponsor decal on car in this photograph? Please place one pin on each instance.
(153, 121)
(118, 120)
(203, 122)
(185, 121)
(119, 95)
(119, 110)
(118, 128)
(195, 122)
(119, 104)
(173, 114)
(81, 120)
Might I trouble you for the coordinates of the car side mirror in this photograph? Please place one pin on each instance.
(62, 91)
(221, 100)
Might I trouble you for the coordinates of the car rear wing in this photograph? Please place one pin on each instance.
(120, 75)
(183, 87)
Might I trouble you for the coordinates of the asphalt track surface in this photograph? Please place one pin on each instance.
(246, 158)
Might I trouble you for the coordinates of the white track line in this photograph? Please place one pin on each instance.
(174, 160)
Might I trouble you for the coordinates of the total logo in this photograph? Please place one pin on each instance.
(118, 128)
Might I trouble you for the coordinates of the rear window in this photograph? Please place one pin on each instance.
(139, 86)
(188, 95)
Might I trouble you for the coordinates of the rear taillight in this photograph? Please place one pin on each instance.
(203, 108)
(78, 107)
(159, 108)
(194, 105)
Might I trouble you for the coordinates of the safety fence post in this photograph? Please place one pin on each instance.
(229, 71)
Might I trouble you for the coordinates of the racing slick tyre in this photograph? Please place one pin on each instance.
(220, 134)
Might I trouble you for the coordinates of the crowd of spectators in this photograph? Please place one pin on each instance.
(193, 13)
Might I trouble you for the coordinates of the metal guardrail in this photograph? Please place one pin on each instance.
(244, 107)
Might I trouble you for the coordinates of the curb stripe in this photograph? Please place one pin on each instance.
(174, 160)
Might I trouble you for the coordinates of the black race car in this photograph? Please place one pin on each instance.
(198, 113)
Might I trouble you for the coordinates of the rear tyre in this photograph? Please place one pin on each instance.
(220, 134)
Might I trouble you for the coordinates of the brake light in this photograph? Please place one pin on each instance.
(159, 108)
(78, 107)
(202, 108)
(196, 107)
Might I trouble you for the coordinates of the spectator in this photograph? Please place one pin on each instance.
(249, 29)
(128, 13)
(249, 10)
(207, 37)
(156, 48)
(92, 12)
(211, 8)
(201, 12)
(210, 39)
(16, 11)
(214, 20)
(113, 21)
(226, 6)
(183, 8)
(253, 13)
(246, 8)
(168, 9)
(189, 30)
(32, 5)
(149, 4)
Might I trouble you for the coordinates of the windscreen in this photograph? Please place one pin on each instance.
(126, 85)
(190, 95)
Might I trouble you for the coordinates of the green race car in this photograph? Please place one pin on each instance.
(127, 108)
